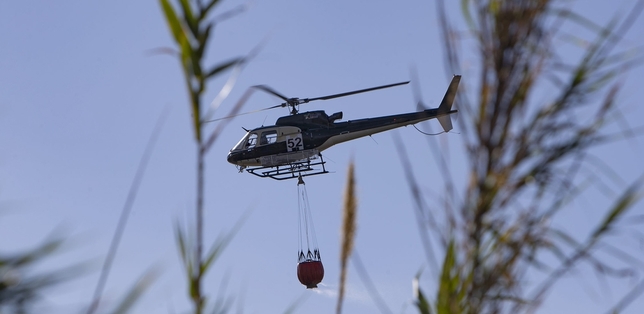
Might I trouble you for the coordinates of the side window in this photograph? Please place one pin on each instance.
(252, 140)
(268, 137)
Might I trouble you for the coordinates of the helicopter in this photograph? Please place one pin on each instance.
(293, 146)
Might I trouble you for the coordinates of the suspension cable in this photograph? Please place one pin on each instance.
(305, 218)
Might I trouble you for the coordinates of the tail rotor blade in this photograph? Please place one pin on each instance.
(415, 88)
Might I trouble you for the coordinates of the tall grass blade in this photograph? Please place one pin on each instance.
(221, 243)
(206, 9)
(625, 202)
(185, 248)
(293, 306)
(135, 293)
(366, 281)
(125, 212)
(224, 66)
(421, 302)
(631, 296)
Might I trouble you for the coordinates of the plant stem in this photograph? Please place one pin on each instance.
(199, 250)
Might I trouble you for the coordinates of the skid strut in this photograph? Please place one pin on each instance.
(291, 171)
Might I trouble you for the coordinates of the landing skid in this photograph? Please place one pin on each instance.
(290, 171)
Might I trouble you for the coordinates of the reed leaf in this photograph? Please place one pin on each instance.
(221, 243)
(184, 248)
(448, 288)
(626, 201)
(173, 22)
(224, 66)
(189, 17)
(421, 302)
(135, 293)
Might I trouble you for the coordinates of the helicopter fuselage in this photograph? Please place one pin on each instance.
(304, 135)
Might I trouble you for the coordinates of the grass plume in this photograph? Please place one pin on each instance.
(348, 232)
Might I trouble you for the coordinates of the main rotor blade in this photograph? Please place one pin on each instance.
(271, 91)
(353, 92)
(415, 88)
(248, 112)
(301, 101)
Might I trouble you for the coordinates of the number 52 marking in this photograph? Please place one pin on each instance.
(294, 144)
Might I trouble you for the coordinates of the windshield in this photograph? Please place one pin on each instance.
(241, 144)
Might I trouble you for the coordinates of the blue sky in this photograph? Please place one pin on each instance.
(80, 93)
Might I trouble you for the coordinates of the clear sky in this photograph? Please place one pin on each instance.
(80, 94)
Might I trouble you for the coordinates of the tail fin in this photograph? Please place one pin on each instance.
(445, 109)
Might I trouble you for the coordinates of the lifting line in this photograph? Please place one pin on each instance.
(305, 217)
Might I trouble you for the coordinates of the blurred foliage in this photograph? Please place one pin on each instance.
(21, 286)
(24, 283)
(527, 153)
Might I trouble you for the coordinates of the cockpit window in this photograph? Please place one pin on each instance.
(252, 140)
(268, 137)
(265, 136)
